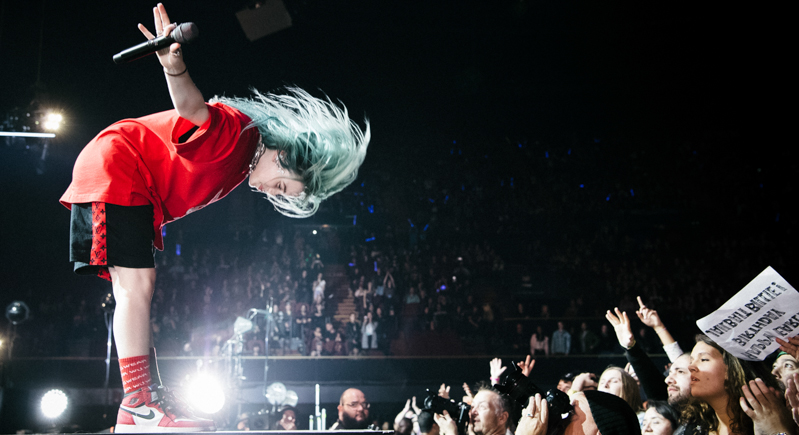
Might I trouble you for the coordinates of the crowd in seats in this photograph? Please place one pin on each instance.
(435, 250)
(511, 260)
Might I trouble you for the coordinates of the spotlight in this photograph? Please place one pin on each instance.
(205, 394)
(17, 312)
(242, 326)
(54, 403)
(53, 121)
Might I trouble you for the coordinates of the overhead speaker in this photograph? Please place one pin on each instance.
(263, 17)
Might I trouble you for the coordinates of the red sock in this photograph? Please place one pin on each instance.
(135, 372)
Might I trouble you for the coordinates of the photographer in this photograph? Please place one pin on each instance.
(427, 424)
(490, 415)
(594, 413)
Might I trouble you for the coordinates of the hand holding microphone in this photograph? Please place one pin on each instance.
(166, 44)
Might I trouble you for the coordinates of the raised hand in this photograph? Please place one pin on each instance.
(171, 58)
(631, 371)
(791, 346)
(584, 382)
(443, 391)
(621, 324)
(469, 395)
(792, 395)
(527, 365)
(534, 418)
(416, 409)
(649, 317)
(496, 369)
(766, 407)
(446, 424)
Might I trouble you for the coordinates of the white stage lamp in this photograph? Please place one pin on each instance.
(205, 394)
(54, 403)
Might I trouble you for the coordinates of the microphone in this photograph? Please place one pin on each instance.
(183, 33)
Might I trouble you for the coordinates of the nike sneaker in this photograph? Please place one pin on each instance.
(155, 409)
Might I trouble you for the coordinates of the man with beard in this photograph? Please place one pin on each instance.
(353, 411)
(679, 387)
(679, 382)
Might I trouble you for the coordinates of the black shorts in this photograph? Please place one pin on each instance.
(102, 235)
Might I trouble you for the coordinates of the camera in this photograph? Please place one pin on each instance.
(260, 420)
(458, 411)
(520, 388)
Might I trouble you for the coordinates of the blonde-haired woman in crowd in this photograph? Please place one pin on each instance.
(615, 380)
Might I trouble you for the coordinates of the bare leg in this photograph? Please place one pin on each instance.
(133, 291)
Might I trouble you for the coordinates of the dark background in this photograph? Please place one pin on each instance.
(662, 78)
(698, 83)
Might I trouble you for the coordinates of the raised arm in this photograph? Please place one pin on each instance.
(650, 377)
(650, 317)
(403, 413)
(496, 370)
(767, 409)
(187, 99)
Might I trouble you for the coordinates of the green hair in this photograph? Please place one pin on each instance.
(314, 138)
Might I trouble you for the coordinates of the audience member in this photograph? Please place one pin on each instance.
(427, 425)
(353, 411)
(369, 332)
(678, 382)
(539, 342)
(288, 419)
(489, 415)
(565, 382)
(594, 413)
(616, 381)
(784, 366)
(718, 383)
(588, 340)
(561, 341)
(660, 419)
(650, 378)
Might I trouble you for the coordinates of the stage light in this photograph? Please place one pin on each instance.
(17, 312)
(54, 403)
(242, 326)
(205, 394)
(26, 134)
(53, 121)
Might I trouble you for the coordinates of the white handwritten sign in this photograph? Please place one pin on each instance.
(747, 324)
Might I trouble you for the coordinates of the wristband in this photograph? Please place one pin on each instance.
(631, 345)
(178, 74)
(495, 380)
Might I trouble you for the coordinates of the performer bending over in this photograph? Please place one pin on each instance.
(139, 174)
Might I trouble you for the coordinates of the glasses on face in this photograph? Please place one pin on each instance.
(364, 405)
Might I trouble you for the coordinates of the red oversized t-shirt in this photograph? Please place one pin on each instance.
(140, 162)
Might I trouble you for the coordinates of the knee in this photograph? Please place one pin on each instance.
(132, 284)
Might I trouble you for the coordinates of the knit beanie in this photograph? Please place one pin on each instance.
(613, 416)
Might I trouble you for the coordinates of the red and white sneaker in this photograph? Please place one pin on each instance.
(155, 409)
